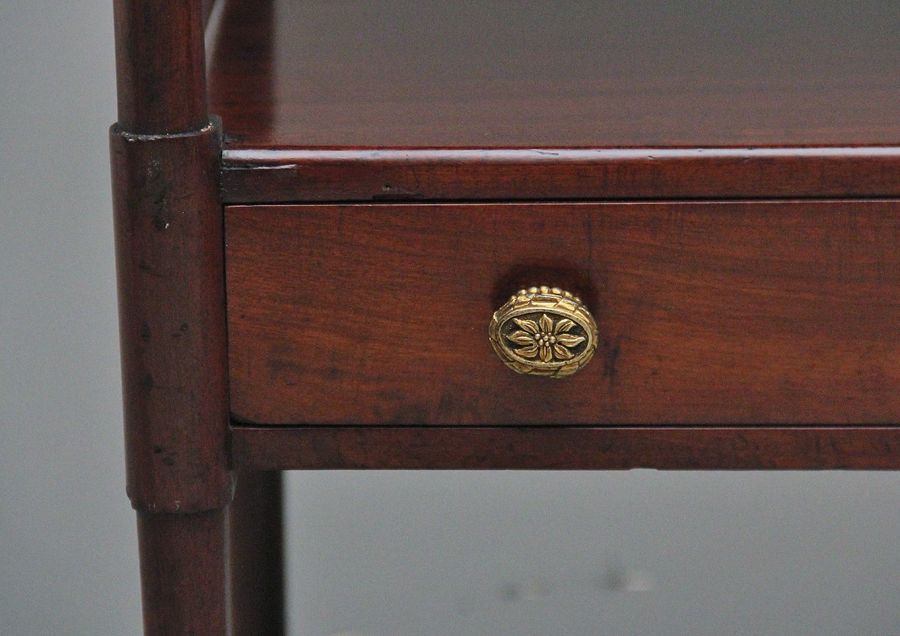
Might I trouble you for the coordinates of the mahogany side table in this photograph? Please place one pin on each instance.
(428, 235)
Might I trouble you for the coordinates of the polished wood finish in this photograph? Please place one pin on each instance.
(406, 73)
(709, 313)
(160, 66)
(172, 320)
(255, 548)
(565, 448)
(169, 248)
(290, 175)
(638, 101)
(183, 573)
(352, 318)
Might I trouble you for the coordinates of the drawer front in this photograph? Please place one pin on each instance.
(707, 313)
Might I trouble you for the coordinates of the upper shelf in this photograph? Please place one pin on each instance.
(494, 74)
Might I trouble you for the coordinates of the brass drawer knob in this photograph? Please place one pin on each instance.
(544, 331)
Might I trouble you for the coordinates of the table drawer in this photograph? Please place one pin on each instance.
(707, 312)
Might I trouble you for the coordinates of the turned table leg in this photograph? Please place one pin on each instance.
(255, 554)
(174, 372)
(183, 572)
(165, 154)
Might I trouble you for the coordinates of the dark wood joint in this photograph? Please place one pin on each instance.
(566, 447)
(169, 245)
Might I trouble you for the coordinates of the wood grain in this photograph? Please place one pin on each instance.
(160, 68)
(183, 573)
(709, 313)
(253, 176)
(406, 73)
(169, 256)
(169, 253)
(565, 448)
(256, 555)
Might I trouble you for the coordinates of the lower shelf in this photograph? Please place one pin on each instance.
(565, 448)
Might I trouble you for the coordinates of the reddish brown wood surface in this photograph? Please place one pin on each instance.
(244, 20)
(183, 573)
(172, 322)
(169, 252)
(639, 101)
(709, 313)
(253, 176)
(526, 448)
(160, 66)
(256, 555)
(405, 73)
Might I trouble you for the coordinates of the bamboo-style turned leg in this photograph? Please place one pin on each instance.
(169, 250)
(256, 554)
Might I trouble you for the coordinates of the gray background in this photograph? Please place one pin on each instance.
(377, 553)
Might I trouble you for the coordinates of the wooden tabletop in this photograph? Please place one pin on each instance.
(425, 74)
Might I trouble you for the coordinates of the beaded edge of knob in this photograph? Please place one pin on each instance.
(527, 298)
